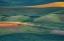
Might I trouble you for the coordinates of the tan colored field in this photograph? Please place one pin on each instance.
(54, 4)
(13, 24)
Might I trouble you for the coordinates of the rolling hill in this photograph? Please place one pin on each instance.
(38, 10)
(54, 4)
(56, 18)
(29, 11)
(52, 12)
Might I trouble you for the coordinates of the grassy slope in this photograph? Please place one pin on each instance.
(29, 12)
(24, 29)
(54, 21)
(56, 18)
